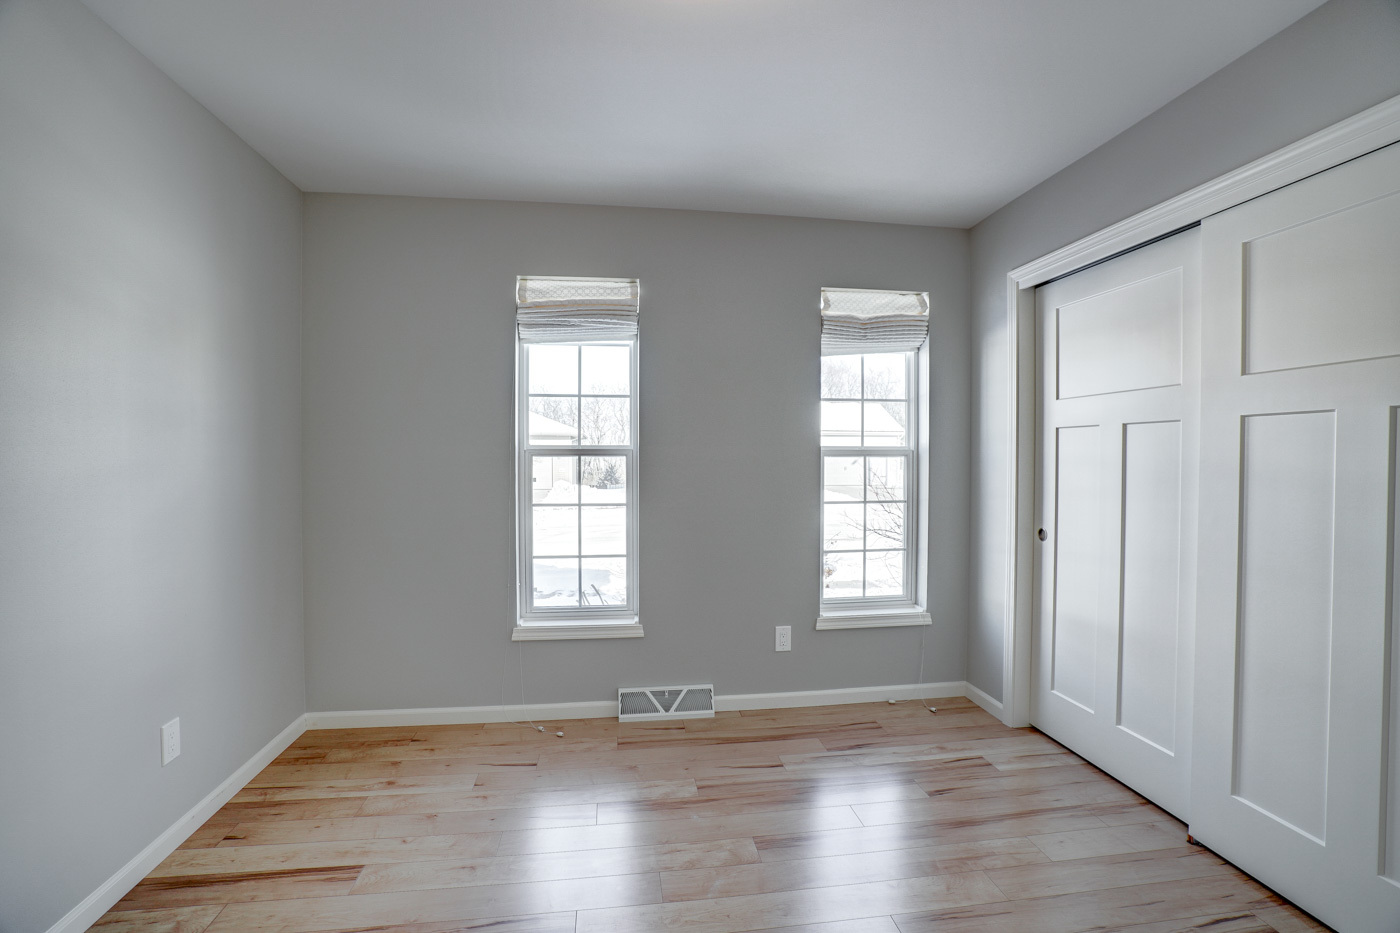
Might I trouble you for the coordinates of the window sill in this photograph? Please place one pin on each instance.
(873, 618)
(537, 631)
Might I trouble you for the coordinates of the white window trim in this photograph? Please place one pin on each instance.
(891, 612)
(543, 632)
(570, 622)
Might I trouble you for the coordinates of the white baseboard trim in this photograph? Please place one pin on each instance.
(738, 701)
(607, 709)
(116, 887)
(984, 700)
(458, 715)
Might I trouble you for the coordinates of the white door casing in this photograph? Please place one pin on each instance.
(1118, 369)
(1296, 638)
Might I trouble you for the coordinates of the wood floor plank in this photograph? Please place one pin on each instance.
(474, 798)
(750, 798)
(672, 831)
(561, 758)
(1109, 909)
(536, 923)
(555, 866)
(212, 888)
(1065, 797)
(1009, 748)
(775, 847)
(800, 874)
(277, 773)
(416, 824)
(788, 908)
(1213, 923)
(315, 790)
(1112, 840)
(437, 906)
(1285, 918)
(1048, 879)
(233, 859)
(164, 920)
(280, 810)
(729, 732)
(864, 925)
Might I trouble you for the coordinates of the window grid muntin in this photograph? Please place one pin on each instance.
(864, 451)
(528, 611)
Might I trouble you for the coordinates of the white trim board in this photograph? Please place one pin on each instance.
(607, 709)
(984, 700)
(739, 701)
(1371, 129)
(116, 887)
(459, 715)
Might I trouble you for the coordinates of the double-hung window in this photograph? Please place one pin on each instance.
(872, 475)
(576, 486)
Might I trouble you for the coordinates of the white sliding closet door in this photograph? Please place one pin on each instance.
(1297, 736)
(1116, 500)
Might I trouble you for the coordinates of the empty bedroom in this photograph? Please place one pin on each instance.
(626, 466)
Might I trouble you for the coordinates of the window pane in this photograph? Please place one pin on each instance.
(552, 480)
(607, 370)
(884, 423)
(840, 377)
(605, 581)
(844, 527)
(555, 530)
(884, 524)
(884, 478)
(553, 368)
(843, 479)
(555, 583)
(604, 529)
(606, 421)
(605, 479)
(841, 424)
(886, 375)
(553, 421)
(841, 575)
(884, 573)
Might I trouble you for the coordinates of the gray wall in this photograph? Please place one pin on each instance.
(1333, 63)
(409, 357)
(150, 548)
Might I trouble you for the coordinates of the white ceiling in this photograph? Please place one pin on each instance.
(912, 111)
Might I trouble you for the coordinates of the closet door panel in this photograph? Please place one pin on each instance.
(1285, 618)
(1294, 732)
(1150, 626)
(1116, 426)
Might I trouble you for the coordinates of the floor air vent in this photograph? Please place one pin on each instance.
(638, 703)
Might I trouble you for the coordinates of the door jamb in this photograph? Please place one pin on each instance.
(1371, 129)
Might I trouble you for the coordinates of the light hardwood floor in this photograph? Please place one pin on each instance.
(851, 819)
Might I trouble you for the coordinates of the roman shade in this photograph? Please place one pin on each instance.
(564, 310)
(862, 321)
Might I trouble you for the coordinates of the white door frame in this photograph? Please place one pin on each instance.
(1367, 131)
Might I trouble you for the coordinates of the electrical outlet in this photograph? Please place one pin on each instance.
(783, 638)
(170, 741)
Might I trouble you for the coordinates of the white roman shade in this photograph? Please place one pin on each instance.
(857, 320)
(562, 310)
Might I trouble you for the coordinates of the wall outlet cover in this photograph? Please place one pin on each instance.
(169, 741)
(783, 638)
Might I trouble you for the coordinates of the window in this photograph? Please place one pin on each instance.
(871, 572)
(576, 405)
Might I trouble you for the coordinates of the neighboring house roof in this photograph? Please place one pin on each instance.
(542, 428)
